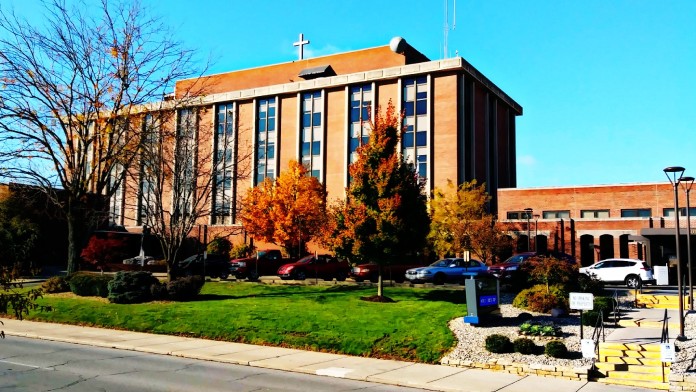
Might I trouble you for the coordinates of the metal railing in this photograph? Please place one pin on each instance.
(664, 338)
(598, 332)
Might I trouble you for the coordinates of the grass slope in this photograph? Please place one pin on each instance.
(321, 318)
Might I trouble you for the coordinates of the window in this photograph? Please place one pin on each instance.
(265, 139)
(185, 176)
(519, 215)
(116, 202)
(416, 122)
(669, 212)
(636, 213)
(149, 163)
(589, 214)
(224, 143)
(312, 133)
(564, 214)
(360, 104)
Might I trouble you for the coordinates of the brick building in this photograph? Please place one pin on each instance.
(458, 125)
(598, 221)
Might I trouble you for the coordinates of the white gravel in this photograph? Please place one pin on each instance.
(686, 356)
(471, 345)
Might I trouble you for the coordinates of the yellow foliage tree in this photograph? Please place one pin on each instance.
(288, 212)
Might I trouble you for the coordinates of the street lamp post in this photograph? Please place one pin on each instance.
(688, 182)
(528, 212)
(676, 174)
(536, 232)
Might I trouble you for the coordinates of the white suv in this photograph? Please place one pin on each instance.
(633, 272)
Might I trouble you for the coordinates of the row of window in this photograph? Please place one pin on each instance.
(415, 143)
(596, 214)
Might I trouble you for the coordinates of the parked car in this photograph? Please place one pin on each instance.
(324, 267)
(632, 272)
(506, 269)
(446, 270)
(268, 263)
(370, 271)
(215, 266)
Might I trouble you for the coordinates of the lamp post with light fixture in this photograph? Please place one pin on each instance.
(528, 212)
(688, 182)
(676, 173)
(536, 232)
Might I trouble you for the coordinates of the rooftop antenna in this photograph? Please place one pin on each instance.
(447, 27)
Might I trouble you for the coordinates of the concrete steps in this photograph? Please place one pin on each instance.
(632, 364)
(660, 301)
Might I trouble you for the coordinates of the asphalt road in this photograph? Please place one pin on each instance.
(38, 365)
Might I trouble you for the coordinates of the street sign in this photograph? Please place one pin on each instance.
(587, 346)
(667, 352)
(581, 301)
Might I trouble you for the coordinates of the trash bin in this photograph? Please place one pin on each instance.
(661, 273)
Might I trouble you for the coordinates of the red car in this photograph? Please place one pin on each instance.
(321, 266)
(506, 269)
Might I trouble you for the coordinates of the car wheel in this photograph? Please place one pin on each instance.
(224, 275)
(253, 276)
(341, 276)
(439, 279)
(358, 280)
(300, 275)
(633, 282)
(399, 280)
(374, 278)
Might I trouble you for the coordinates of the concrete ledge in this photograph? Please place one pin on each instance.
(504, 365)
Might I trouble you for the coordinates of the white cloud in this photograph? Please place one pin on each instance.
(526, 160)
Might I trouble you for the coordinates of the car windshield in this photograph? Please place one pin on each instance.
(305, 259)
(516, 259)
(262, 253)
(442, 263)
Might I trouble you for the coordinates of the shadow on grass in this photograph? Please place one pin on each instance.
(454, 297)
(285, 291)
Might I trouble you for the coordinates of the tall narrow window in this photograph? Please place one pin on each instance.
(265, 139)
(116, 202)
(149, 167)
(185, 176)
(312, 133)
(360, 104)
(416, 124)
(225, 134)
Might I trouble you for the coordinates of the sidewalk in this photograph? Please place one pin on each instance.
(407, 374)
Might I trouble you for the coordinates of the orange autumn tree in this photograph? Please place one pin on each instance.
(288, 212)
(384, 217)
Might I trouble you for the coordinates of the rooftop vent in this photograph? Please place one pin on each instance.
(317, 72)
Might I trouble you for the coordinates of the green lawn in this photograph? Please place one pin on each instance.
(323, 318)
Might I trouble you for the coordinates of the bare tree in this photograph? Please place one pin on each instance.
(187, 171)
(69, 91)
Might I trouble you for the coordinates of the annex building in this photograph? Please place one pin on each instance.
(597, 222)
(458, 125)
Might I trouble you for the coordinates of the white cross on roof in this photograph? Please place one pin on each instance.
(301, 43)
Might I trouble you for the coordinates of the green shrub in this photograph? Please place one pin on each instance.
(55, 284)
(131, 287)
(241, 251)
(524, 346)
(590, 317)
(498, 344)
(89, 285)
(536, 329)
(185, 289)
(158, 291)
(219, 246)
(589, 284)
(540, 299)
(556, 349)
(604, 304)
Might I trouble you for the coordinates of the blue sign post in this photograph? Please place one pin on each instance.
(482, 299)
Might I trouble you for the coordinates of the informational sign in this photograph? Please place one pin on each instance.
(587, 346)
(581, 301)
(488, 300)
(667, 352)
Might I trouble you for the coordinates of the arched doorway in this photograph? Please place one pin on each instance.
(606, 246)
(522, 243)
(623, 246)
(542, 243)
(586, 250)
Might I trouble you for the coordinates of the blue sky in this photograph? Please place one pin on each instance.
(608, 87)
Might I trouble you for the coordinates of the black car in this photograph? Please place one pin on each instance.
(215, 266)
